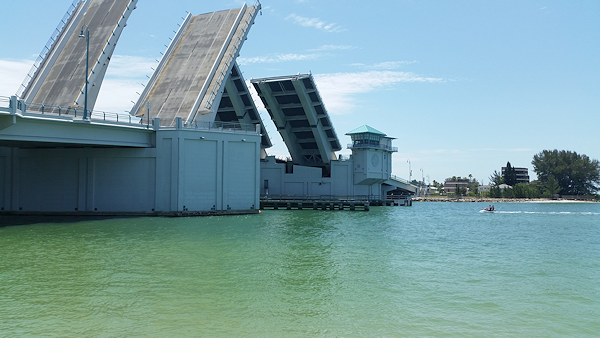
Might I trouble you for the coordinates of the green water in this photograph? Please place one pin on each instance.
(434, 269)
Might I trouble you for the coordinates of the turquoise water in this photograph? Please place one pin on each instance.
(433, 269)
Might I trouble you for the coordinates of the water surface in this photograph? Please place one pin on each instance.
(433, 269)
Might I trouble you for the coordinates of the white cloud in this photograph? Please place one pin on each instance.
(123, 79)
(391, 65)
(388, 65)
(276, 58)
(334, 47)
(116, 95)
(315, 23)
(126, 75)
(338, 89)
(123, 82)
(123, 66)
(12, 74)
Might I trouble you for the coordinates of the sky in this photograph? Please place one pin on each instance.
(464, 86)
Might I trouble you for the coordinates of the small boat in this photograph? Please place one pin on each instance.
(486, 210)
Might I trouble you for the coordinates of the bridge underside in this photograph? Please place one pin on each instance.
(237, 106)
(399, 188)
(296, 108)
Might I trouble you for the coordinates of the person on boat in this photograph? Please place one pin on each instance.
(489, 208)
(493, 208)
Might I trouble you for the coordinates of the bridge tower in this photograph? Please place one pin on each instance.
(372, 154)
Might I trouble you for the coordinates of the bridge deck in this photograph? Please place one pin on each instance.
(194, 71)
(63, 77)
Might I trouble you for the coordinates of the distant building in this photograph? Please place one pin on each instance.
(483, 188)
(451, 185)
(522, 174)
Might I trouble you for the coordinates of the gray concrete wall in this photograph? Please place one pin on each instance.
(70, 180)
(341, 172)
(308, 180)
(371, 165)
(208, 170)
(187, 171)
(5, 178)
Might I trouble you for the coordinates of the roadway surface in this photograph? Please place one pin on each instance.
(66, 77)
(179, 83)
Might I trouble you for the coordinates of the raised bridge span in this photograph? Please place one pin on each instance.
(197, 78)
(58, 76)
(191, 76)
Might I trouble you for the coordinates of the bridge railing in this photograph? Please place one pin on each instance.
(48, 110)
(399, 179)
(13, 105)
(230, 57)
(48, 47)
(225, 126)
(378, 146)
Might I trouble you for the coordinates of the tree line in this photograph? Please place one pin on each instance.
(559, 173)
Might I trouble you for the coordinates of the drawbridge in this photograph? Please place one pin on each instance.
(197, 79)
(58, 76)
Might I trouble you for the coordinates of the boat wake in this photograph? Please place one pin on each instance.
(546, 212)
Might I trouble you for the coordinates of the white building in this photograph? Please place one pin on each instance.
(484, 188)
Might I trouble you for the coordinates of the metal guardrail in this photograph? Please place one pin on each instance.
(62, 113)
(45, 109)
(48, 47)
(396, 178)
(226, 126)
(360, 146)
(231, 57)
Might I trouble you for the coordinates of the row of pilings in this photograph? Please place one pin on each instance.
(328, 202)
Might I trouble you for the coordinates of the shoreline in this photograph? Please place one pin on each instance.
(499, 200)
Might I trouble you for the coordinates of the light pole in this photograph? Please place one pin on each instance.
(87, 58)
(409, 171)
(422, 183)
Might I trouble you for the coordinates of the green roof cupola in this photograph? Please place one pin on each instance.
(367, 137)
